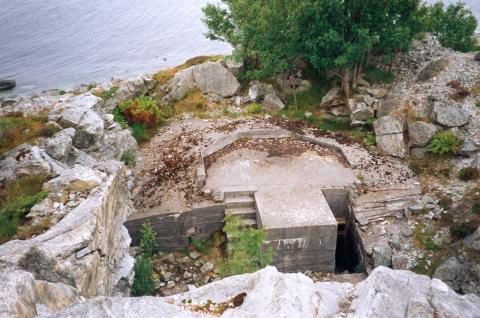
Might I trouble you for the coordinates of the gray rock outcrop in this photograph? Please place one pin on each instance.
(450, 115)
(76, 179)
(421, 133)
(385, 293)
(389, 136)
(209, 77)
(258, 90)
(59, 146)
(272, 103)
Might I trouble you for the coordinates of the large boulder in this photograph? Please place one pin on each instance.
(209, 77)
(6, 84)
(461, 276)
(420, 133)
(330, 96)
(382, 254)
(450, 115)
(268, 293)
(389, 104)
(389, 136)
(258, 90)
(234, 66)
(80, 113)
(59, 146)
(113, 143)
(432, 69)
(76, 179)
(89, 130)
(272, 103)
(360, 112)
(28, 160)
(388, 125)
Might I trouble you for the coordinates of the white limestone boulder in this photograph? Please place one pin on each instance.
(76, 179)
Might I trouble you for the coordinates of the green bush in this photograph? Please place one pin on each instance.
(108, 93)
(119, 118)
(444, 143)
(129, 157)
(246, 252)
(144, 281)
(140, 133)
(147, 243)
(468, 174)
(254, 108)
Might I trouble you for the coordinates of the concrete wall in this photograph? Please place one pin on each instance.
(173, 229)
(338, 201)
(308, 248)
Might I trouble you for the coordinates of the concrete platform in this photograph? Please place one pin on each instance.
(291, 207)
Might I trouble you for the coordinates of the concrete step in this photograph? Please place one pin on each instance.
(245, 213)
(238, 193)
(239, 202)
(250, 222)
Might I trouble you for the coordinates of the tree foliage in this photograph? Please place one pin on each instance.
(246, 252)
(332, 35)
(454, 25)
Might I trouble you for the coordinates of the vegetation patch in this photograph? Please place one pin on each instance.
(423, 237)
(444, 142)
(108, 93)
(246, 250)
(194, 102)
(16, 130)
(16, 200)
(254, 109)
(143, 115)
(145, 278)
(461, 230)
(468, 174)
(375, 74)
(129, 157)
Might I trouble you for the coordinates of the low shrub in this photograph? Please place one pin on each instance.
(246, 252)
(145, 279)
(129, 157)
(16, 130)
(461, 230)
(140, 133)
(460, 92)
(14, 211)
(468, 174)
(444, 142)
(143, 110)
(254, 108)
(108, 93)
(194, 102)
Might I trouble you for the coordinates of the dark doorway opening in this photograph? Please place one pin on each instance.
(346, 257)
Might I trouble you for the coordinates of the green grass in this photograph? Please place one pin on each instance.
(374, 74)
(140, 133)
(108, 93)
(311, 98)
(334, 125)
(129, 157)
(16, 199)
(16, 130)
(254, 109)
(444, 142)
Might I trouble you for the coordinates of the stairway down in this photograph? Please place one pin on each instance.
(241, 203)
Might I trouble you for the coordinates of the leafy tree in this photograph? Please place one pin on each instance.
(338, 36)
(454, 25)
(246, 252)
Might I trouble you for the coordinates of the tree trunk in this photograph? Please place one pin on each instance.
(346, 83)
(355, 77)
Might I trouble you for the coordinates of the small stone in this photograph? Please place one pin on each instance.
(187, 275)
(206, 268)
(194, 255)
(170, 284)
(170, 258)
(167, 276)
(197, 263)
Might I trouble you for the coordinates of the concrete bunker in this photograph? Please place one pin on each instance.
(294, 188)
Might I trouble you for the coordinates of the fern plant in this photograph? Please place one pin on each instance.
(444, 142)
